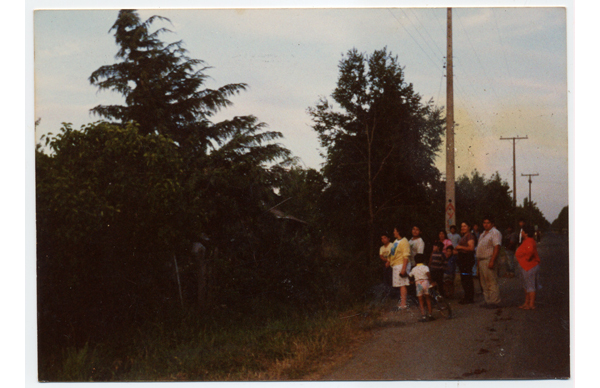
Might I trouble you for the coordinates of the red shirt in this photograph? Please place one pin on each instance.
(527, 254)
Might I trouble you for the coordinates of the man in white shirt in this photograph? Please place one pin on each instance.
(487, 252)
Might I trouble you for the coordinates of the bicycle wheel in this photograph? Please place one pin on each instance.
(443, 307)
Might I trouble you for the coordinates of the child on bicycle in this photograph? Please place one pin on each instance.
(422, 282)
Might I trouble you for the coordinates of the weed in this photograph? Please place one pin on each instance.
(288, 347)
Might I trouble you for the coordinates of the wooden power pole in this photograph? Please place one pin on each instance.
(514, 139)
(450, 210)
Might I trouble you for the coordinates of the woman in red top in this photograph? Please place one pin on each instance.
(529, 260)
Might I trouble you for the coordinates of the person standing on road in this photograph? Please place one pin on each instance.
(453, 236)
(487, 252)
(476, 233)
(400, 263)
(465, 261)
(443, 238)
(384, 254)
(510, 242)
(417, 245)
(423, 281)
(437, 264)
(529, 261)
(521, 222)
(449, 272)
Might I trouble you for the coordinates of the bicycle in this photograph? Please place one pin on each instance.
(438, 301)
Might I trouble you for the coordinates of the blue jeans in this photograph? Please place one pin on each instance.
(510, 261)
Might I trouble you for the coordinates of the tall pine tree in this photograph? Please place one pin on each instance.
(163, 90)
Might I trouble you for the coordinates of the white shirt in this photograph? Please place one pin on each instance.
(487, 241)
(420, 272)
(416, 246)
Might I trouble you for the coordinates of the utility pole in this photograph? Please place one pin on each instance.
(450, 211)
(514, 139)
(529, 203)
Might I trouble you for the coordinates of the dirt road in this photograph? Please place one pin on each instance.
(507, 343)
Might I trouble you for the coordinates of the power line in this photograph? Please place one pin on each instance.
(424, 29)
(508, 72)
(427, 32)
(460, 89)
(479, 60)
(470, 95)
(436, 66)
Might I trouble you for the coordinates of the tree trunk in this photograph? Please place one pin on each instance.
(370, 244)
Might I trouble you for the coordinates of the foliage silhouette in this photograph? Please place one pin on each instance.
(381, 142)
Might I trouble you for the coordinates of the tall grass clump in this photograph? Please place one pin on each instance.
(192, 348)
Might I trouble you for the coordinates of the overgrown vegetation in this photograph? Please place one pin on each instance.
(171, 247)
(225, 347)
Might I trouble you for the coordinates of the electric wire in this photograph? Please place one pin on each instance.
(459, 74)
(435, 65)
(480, 63)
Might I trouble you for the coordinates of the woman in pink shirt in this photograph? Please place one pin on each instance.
(529, 260)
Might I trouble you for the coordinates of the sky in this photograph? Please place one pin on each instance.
(582, 148)
(510, 75)
(19, 199)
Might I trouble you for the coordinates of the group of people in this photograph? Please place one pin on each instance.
(472, 252)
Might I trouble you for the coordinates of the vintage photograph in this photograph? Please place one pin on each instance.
(302, 194)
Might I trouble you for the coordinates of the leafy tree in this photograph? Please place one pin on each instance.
(478, 196)
(227, 178)
(161, 86)
(562, 221)
(534, 216)
(300, 191)
(381, 142)
(108, 202)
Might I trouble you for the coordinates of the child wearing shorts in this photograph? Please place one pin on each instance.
(422, 282)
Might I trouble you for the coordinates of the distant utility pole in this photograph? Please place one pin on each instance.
(529, 203)
(450, 210)
(514, 139)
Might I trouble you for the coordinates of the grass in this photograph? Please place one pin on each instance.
(292, 347)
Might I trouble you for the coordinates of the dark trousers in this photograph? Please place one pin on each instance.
(465, 266)
(438, 277)
(387, 280)
(387, 276)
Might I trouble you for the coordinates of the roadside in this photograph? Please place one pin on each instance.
(507, 343)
